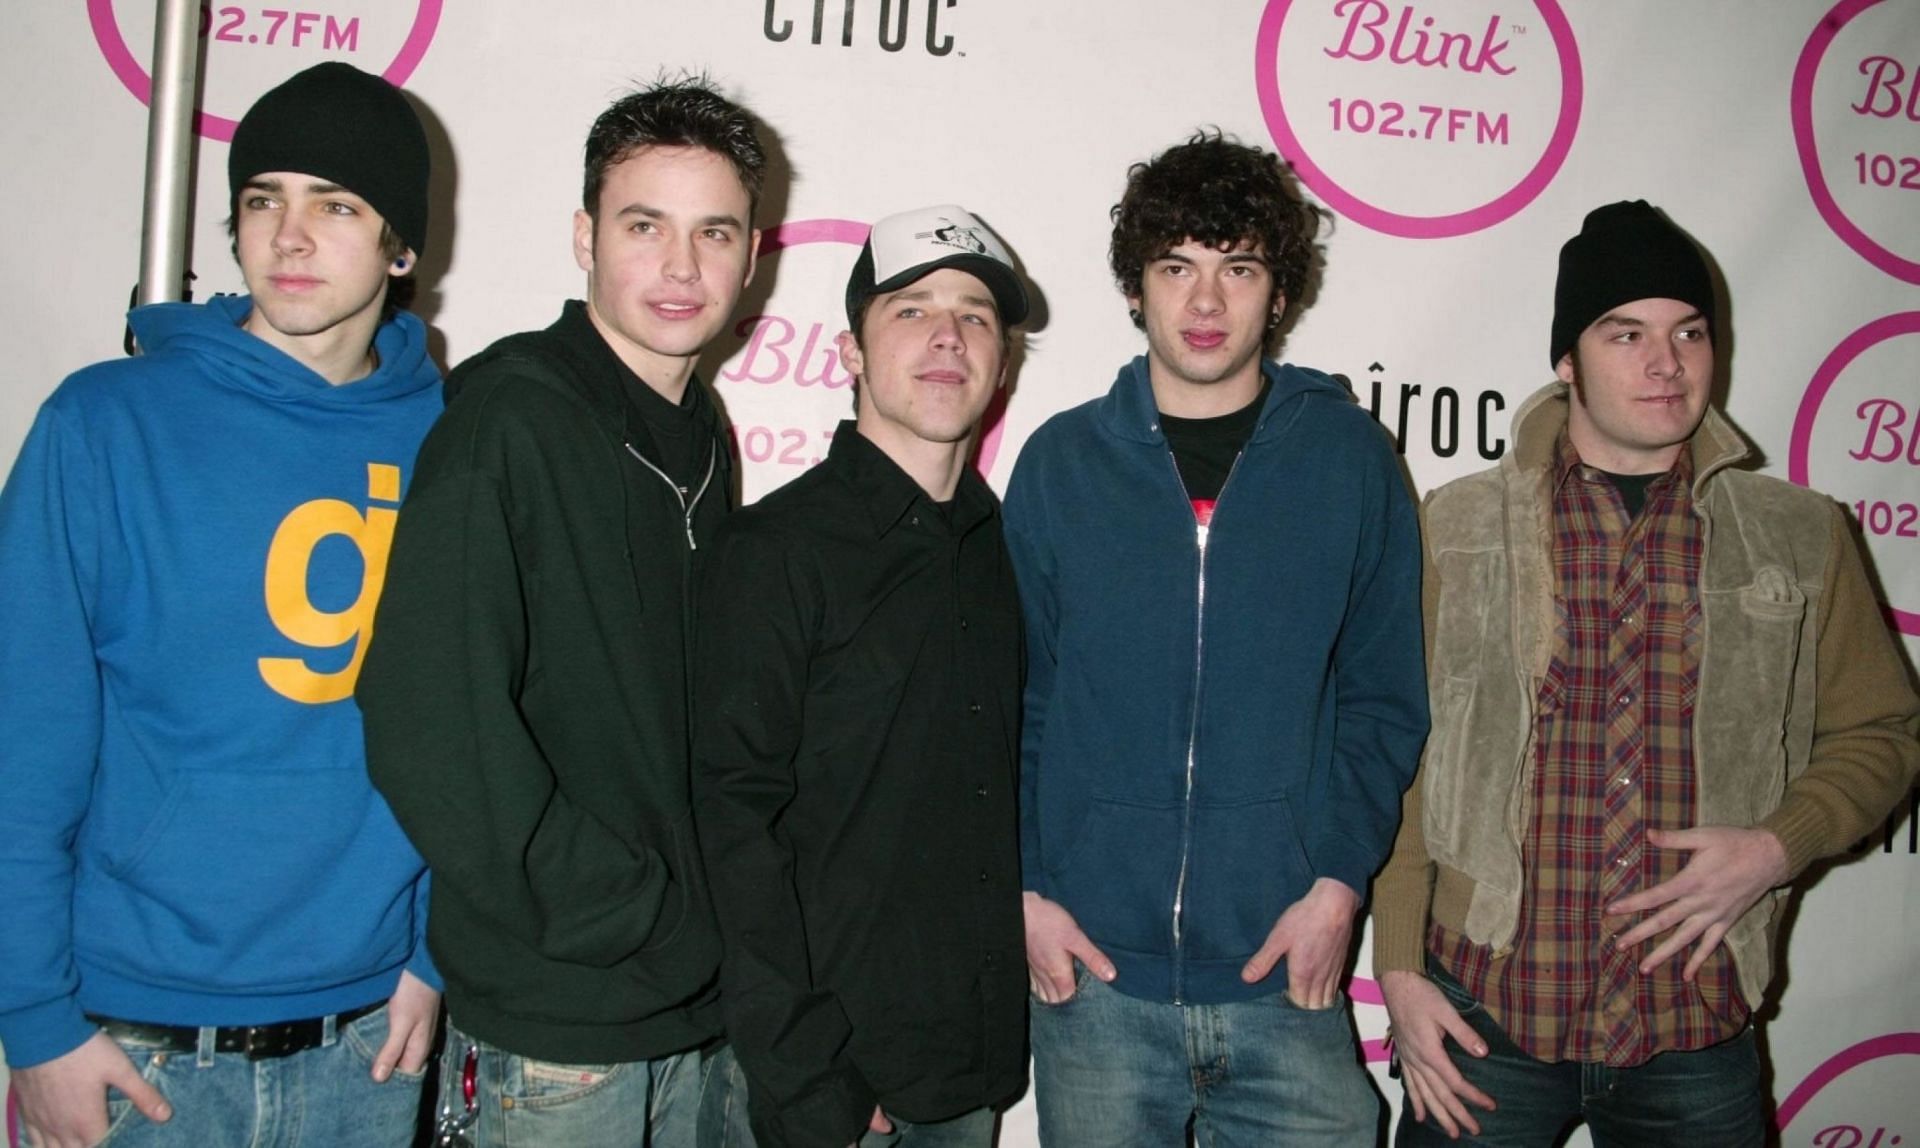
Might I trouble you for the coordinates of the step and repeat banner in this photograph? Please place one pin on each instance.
(1457, 144)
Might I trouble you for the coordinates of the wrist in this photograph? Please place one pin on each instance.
(1336, 893)
(1782, 866)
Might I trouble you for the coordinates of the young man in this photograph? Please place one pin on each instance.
(527, 703)
(1220, 567)
(858, 692)
(213, 928)
(1661, 687)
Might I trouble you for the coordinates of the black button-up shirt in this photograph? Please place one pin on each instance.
(856, 754)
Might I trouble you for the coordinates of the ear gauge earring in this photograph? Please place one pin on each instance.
(400, 264)
(1139, 320)
(1273, 320)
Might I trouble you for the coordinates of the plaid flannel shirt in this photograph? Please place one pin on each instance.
(1614, 758)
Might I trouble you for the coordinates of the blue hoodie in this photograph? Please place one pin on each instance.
(1215, 716)
(191, 544)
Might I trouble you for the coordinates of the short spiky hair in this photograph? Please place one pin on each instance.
(1217, 191)
(684, 111)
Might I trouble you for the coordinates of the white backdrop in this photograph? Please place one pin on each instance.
(1459, 142)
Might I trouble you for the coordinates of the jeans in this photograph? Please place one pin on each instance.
(968, 1130)
(323, 1096)
(520, 1102)
(723, 1102)
(1708, 1098)
(1111, 1071)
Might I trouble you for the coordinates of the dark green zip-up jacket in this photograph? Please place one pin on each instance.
(526, 705)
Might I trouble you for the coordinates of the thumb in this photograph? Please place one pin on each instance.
(1462, 1032)
(1090, 955)
(1673, 839)
(1262, 962)
(145, 1096)
(879, 1122)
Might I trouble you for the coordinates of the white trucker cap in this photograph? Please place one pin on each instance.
(905, 247)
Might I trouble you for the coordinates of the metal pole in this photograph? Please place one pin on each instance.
(163, 228)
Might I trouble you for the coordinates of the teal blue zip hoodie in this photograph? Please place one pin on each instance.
(191, 546)
(1214, 717)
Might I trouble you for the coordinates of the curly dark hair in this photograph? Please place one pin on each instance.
(682, 111)
(1218, 191)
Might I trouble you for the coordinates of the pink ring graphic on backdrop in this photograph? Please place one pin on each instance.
(1360, 990)
(853, 233)
(1266, 56)
(1802, 104)
(1850, 348)
(805, 231)
(106, 33)
(1892, 1044)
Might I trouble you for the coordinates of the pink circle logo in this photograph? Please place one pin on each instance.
(1858, 426)
(1860, 1098)
(786, 365)
(265, 45)
(1856, 106)
(1420, 122)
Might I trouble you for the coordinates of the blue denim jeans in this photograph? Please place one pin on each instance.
(323, 1096)
(1709, 1098)
(968, 1130)
(723, 1102)
(520, 1102)
(1110, 1071)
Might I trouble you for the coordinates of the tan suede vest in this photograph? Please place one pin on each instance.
(1767, 546)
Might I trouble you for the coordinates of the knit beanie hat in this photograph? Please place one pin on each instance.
(346, 126)
(1625, 251)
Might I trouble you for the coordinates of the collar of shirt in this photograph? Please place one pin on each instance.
(888, 492)
(1566, 460)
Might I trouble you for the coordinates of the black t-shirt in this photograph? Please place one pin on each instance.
(1205, 449)
(679, 446)
(1633, 489)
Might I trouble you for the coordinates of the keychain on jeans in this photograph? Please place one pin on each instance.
(450, 1131)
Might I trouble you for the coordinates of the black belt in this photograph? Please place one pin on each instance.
(258, 1041)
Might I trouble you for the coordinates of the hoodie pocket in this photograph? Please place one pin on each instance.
(1248, 864)
(268, 879)
(1117, 877)
(685, 903)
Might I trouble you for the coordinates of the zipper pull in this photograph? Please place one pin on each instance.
(1200, 530)
(691, 544)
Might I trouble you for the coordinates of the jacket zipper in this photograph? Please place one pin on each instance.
(1201, 531)
(686, 508)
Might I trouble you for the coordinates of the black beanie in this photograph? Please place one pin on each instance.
(345, 126)
(1625, 251)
